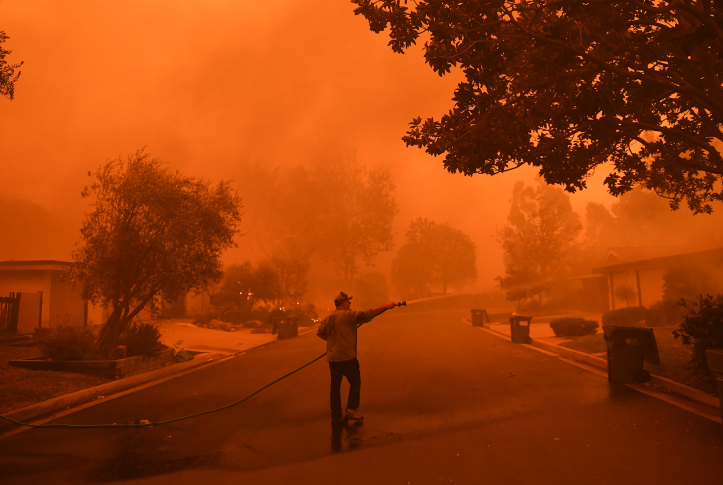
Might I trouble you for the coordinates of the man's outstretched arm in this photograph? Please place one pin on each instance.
(367, 315)
(381, 309)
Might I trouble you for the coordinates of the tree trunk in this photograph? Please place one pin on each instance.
(111, 331)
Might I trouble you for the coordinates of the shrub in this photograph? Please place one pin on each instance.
(306, 314)
(573, 327)
(141, 338)
(253, 324)
(66, 342)
(624, 317)
(702, 328)
(219, 325)
(665, 313)
(204, 319)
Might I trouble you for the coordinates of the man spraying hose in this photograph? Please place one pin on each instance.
(340, 330)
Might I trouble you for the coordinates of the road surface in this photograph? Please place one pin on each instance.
(443, 402)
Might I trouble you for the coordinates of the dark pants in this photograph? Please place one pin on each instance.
(350, 370)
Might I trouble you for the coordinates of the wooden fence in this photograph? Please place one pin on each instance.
(9, 310)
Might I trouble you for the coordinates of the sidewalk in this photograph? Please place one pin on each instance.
(541, 332)
(544, 338)
(182, 334)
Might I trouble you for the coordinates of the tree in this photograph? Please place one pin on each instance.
(152, 231)
(625, 292)
(356, 211)
(282, 210)
(569, 85)
(292, 280)
(410, 275)
(371, 288)
(273, 281)
(435, 255)
(8, 76)
(539, 240)
(690, 282)
(238, 289)
(641, 218)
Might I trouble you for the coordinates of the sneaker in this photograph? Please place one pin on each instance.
(351, 414)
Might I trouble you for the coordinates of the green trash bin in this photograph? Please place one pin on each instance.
(627, 349)
(519, 333)
(478, 318)
(287, 327)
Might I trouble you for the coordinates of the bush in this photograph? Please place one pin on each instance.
(67, 342)
(141, 338)
(573, 327)
(253, 324)
(624, 317)
(702, 328)
(665, 313)
(203, 319)
(306, 314)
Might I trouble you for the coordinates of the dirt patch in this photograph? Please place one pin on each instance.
(22, 387)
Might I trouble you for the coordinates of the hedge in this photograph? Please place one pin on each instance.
(624, 317)
(573, 327)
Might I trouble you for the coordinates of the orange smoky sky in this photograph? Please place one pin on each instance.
(206, 84)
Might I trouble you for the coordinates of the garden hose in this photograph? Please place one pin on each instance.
(158, 423)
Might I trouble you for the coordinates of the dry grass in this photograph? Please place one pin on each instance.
(21, 387)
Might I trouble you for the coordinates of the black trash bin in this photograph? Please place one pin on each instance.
(478, 318)
(628, 347)
(287, 327)
(520, 333)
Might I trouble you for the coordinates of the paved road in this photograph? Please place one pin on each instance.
(444, 403)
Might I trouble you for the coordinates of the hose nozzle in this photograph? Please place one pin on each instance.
(402, 303)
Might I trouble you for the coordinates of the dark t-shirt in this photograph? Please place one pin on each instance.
(340, 330)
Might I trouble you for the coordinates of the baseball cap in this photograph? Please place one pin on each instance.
(341, 298)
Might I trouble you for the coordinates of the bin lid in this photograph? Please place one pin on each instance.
(518, 317)
(619, 335)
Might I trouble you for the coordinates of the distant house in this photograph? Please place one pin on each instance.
(46, 296)
(642, 268)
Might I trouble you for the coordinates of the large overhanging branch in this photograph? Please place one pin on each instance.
(718, 170)
(686, 88)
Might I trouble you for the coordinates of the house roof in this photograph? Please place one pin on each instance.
(623, 259)
(630, 254)
(38, 265)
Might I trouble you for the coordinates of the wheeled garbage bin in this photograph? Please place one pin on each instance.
(478, 318)
(287, 327)
(520, 333)
(627, 348)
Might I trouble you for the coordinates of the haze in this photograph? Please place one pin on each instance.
(206, 85)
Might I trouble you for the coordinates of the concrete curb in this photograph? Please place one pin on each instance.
(68, 400)
(61, 402)
(657, 381)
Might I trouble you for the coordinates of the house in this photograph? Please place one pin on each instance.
(47, 297)
(640, 270)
